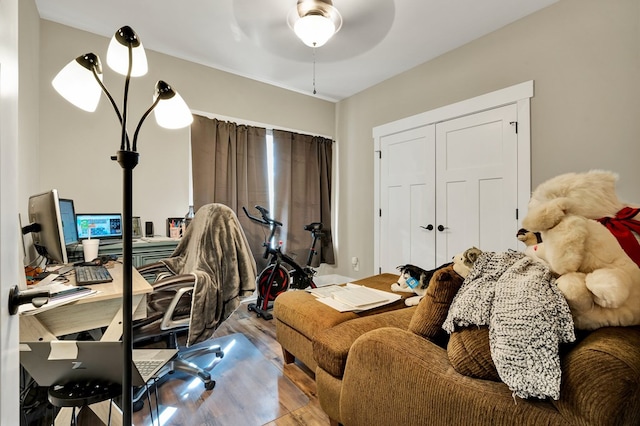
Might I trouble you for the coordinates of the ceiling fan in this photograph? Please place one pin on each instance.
(365, 23)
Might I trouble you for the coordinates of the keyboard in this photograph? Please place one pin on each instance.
(147, 367)
(94, 274)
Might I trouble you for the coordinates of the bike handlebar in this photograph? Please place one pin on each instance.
(265, 220)
(314, 227)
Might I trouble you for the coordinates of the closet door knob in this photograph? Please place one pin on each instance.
(442, 228)
(429, 227)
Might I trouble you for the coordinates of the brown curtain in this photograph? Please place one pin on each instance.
(303, 193)
(229, 167)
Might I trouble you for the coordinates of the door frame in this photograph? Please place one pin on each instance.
(519, 94)
(10, 261)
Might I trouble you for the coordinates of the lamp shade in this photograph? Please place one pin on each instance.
(118, 53)
(76, 82)
(171, 111)
(315, 21)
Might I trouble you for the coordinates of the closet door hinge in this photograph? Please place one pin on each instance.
(515, 125)
(379, 212)
(517, 213)
(379, 154)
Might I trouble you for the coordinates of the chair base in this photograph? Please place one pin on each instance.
(183, 365)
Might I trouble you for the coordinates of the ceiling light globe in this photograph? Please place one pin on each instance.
(314, 30)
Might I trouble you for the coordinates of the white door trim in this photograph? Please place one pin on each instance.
(519, 94)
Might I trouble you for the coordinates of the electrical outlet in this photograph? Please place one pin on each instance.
(355, 263)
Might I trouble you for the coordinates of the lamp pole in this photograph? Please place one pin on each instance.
(128, 160)
(74, 87)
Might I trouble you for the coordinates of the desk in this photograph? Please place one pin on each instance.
(145, 251)
(102, 309)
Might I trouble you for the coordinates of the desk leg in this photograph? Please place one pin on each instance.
(114, 330)
(95, 414)
(32, 330)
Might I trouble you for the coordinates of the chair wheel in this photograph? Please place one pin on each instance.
(210, 385)
(137, 405)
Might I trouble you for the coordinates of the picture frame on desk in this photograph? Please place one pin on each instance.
(136, 227)
(174, 227)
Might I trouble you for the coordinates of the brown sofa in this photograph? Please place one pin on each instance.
(382, 370)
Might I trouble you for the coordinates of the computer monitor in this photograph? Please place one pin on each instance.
(45, 226)
(99, 225)
(68, 216)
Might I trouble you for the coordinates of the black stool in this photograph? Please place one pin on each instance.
(82, 394)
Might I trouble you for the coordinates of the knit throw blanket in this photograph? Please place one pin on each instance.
(215, 250)
(528, 318)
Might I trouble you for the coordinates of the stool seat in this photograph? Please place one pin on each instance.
(80, 394)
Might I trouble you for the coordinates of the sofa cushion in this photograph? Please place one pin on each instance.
(434, 306)
(331, 346)
(302, 312)
(470, 355)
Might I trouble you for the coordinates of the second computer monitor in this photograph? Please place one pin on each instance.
(68, 216)
(99, 225)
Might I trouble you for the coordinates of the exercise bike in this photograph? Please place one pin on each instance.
(282, 272)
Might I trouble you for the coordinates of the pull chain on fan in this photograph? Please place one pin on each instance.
(314, 70)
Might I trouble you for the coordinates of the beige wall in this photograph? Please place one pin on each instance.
(584, 56)
(75, 146)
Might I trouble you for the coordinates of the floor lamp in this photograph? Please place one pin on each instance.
(76, 82)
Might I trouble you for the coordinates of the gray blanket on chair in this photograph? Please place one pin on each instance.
(528, 317)
(215, 250)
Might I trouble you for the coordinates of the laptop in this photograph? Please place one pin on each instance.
(61, 361)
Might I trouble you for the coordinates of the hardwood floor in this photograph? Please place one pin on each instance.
(261, 333)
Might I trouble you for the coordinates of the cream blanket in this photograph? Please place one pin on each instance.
(528, 317)
(215, 250)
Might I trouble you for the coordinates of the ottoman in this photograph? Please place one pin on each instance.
(299, 317)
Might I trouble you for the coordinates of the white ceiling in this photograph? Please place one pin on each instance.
(251, 38)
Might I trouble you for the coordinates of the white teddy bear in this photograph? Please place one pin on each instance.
(599, 280)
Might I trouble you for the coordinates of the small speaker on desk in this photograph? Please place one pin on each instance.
(148, 229)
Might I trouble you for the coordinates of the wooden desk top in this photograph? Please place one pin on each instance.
(94, 311)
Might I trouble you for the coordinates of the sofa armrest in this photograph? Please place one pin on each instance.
(601, 378)
(394, 376)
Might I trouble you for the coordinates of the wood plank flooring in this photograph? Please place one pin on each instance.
(261, 333)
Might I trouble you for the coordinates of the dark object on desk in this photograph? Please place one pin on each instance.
(94, 274)
(148, 229)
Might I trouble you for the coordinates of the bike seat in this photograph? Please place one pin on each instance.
(313, 227)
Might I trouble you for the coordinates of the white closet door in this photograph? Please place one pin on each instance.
(407, 199)
(476, 183)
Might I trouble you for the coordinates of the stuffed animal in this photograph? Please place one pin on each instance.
(463, 262)
(414, 279)
(533, 243)
(599, 280)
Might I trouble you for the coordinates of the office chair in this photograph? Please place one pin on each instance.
(197, 288)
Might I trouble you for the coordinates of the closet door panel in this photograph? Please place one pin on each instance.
(476, 182)
(407, 199)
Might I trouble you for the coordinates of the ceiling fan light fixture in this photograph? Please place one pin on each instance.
(315, 21)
